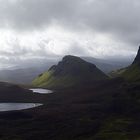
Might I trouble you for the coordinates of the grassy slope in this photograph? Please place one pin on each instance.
(132, 74)
(48, 80)
(117, 73)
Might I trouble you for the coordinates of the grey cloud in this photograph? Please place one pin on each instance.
(77, 49)
(30, 14)
(118, 18)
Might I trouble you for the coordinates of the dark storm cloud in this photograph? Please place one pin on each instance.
(119, 18)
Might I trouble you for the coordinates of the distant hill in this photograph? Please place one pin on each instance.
(108, 65)
(20, 76)
(24, 75)
(69, 72)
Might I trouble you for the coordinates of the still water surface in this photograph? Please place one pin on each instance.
(41, 90)
(17, 106)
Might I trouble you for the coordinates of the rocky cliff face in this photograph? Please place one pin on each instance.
(137, 59)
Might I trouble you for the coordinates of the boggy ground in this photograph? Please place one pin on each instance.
(109, 110)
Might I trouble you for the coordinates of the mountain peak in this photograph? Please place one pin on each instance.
(71, 58)
(70, 71)
(72, 65)
(137, 59)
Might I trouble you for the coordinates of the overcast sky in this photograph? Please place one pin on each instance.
(46, 28)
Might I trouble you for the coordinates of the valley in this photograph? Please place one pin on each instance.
(98, 108)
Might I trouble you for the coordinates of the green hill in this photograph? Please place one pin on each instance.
(132, 73)
(71, 71)
(117, 73)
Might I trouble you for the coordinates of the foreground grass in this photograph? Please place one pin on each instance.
(109, 110)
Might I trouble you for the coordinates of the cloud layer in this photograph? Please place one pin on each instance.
(118, 18)
(88, 27)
